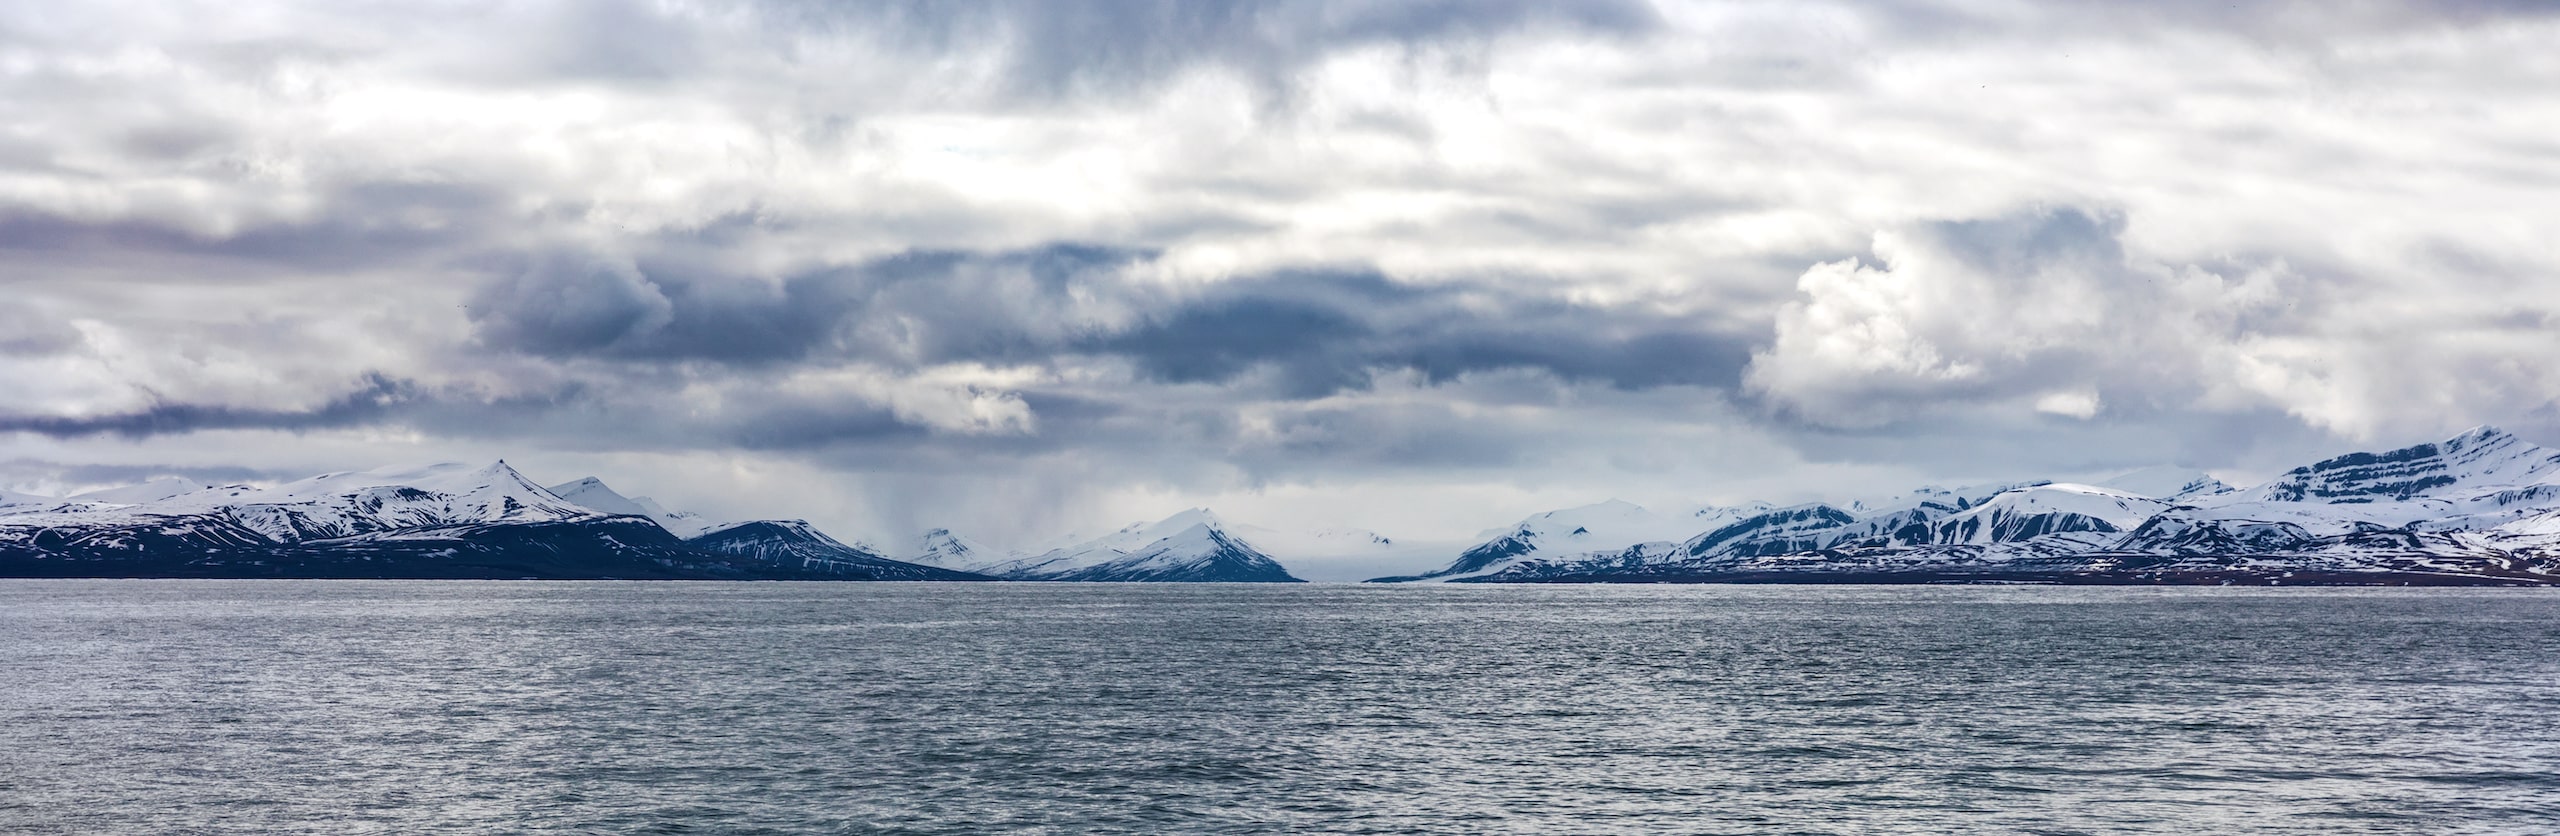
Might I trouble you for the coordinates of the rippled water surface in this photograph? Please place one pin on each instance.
(420, 706)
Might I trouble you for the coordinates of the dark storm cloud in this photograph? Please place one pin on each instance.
(375, 398)
(569, 303)
(1317, 332)
(805, 425)
(921, 307)
(1325, 332)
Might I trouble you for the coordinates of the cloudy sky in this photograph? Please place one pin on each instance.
(1029, 267)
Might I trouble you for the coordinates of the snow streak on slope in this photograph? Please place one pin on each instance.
(2045, 509)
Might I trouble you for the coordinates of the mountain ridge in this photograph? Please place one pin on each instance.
(1192, 545)
(2482, 506)
(444, 520)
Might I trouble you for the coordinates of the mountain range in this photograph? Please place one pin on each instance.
(2482, 507)
(439, 521)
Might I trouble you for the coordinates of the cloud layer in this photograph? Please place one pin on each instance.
(1015, 266)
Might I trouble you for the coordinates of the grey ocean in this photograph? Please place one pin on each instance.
(432, 707)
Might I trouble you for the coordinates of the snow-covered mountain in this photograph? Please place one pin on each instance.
(1608, 525)
(1193, 546)
(593, 493)
(941, 548)
(796, 545)
(1328, 554)
(2031, 512)
(1199, 553)
(2477, 480)
(2170, 483)
(438, 521)
(2481, 507)
(337, 505)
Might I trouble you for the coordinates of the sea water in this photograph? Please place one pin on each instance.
(554, 707)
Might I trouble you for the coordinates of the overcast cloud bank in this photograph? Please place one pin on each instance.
(1017, 267)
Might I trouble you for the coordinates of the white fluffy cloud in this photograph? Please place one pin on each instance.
(2047, 311)
(2044, 309)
